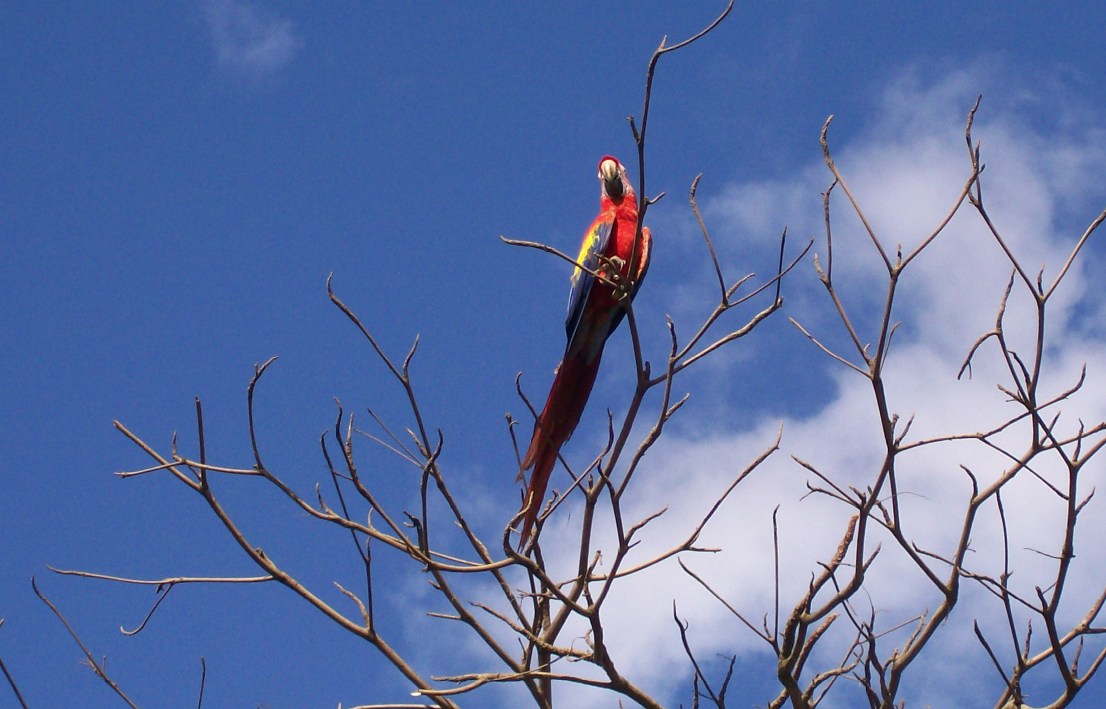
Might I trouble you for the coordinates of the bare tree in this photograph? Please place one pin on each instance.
(1032, 439)
(533, 628)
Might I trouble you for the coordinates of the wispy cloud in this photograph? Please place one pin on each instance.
(249, 40)
(906, 171)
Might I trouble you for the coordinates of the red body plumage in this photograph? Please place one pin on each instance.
(595, 310)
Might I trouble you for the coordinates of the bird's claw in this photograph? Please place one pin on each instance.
(619, 282)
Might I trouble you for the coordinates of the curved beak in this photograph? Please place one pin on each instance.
(610, 173)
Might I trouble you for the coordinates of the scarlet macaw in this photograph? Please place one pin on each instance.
(595, 308)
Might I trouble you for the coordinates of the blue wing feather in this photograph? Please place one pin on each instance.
(594, 245)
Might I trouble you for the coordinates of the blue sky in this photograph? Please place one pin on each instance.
(180, 179)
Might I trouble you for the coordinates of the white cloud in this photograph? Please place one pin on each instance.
(250, 40)
(906, 172)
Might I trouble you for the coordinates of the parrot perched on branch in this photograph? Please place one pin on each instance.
(612, 250)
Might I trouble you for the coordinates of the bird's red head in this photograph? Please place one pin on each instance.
(612, 176)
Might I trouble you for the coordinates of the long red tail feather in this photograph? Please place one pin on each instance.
(567, 398)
